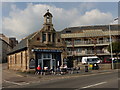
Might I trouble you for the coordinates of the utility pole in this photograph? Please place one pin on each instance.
(111, 42)
(73, 49)
(95, 46)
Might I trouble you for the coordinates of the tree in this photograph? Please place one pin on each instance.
(115, 48)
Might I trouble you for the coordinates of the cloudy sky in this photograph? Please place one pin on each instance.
(20, 19)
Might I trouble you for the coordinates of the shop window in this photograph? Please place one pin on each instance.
(39, 56)
(46, 55)
(53, 56)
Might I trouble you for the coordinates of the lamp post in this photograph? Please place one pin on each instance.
(111, 43)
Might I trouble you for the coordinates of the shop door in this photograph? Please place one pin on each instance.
(46, 63)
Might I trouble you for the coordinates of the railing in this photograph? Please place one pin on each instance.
(86, 42)
(85, 52)
(92, 52)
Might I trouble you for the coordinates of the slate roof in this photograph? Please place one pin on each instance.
(48, 13)
(95, 27)
(22, 44)
(90, 33)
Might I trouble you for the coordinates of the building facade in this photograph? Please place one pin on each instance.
(44, 47)
(13, 42)
(5, 48)
(89, 40)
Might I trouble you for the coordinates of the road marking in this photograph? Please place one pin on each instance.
(23, 83)
(94, 85)
(97, 74)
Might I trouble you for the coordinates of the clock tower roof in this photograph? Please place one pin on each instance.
(48, 14)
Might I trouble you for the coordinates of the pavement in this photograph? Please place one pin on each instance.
(11, 78)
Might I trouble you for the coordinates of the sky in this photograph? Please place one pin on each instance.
(20, 19)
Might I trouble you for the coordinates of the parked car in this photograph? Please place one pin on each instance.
(90, 59)
(109, 60)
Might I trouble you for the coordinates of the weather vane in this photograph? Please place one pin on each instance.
(47, 10)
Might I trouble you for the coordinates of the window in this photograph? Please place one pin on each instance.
(79, 50)
(46, 55)
(49, 37)
(48, 19)
(108, 39)
(38, 38)
(48, 27)
(68, 31)
(100, 38)
(44, 37)
(21, 58)
(15, 58)
(58, 40)
(53, 56)
(53, 37)
(39, 56)
(77, 40)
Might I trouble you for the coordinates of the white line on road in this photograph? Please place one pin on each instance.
(91, 85)
(94, 85)
(23, 83)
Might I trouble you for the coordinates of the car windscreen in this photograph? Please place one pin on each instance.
(92, 59)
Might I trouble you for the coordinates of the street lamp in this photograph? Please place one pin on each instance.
(111, 43)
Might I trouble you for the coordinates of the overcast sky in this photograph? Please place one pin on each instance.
(22, 18)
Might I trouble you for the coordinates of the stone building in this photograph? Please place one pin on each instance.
(4, 48)
(44, 47)
(89, 41)
(13, 42)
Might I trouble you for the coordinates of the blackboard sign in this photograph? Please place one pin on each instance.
(32, 63)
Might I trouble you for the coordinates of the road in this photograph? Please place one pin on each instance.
(101, 80)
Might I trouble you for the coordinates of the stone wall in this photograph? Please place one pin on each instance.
(117, 66)
(19, 61)
(105, 66)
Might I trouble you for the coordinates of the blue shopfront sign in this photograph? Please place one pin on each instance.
(44, 50)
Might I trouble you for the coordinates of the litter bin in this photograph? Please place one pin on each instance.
(86, 68)
(90, 66)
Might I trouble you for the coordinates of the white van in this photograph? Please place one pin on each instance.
(90, 59)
